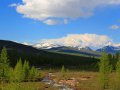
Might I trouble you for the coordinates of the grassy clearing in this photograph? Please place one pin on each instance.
(87, 81)
(27, 86)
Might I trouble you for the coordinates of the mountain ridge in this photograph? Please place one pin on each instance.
(108, 48)
(40, 57)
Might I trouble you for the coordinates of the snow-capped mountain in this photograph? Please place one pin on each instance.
(85, 48)
(54, 47)
(67, 49)
(50, 46)
(109, 49)
(45, 46)
(71, 48)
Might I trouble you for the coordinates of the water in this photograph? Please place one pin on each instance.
(50, 82)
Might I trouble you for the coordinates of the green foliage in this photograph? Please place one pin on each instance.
(22, 72)
(110, 57)
(26, 69)
(115, 60)
(18, 72)
(11, 75)
(15, 75)
(4, 63)
(55, 60)
(63, 71)
(118, 69)
(105, 70)
(33, 73)
(118, 75)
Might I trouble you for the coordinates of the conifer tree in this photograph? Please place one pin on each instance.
(104, 69)
(18, 71)
(4, 63)
(33, 73)
(111, 61)
(26, 69)
(116, 59)
(11, 77)
(118, 75)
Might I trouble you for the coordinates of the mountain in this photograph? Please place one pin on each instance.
(86, 48)
(75, 50)
(84, 51)
(109, 49)
(10, 45)
(45, 46)
(46, 58)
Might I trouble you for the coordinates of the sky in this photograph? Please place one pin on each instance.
(66, 22)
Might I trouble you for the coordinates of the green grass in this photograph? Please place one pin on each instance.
(27, 86)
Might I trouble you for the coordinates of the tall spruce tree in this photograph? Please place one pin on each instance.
(4, 63)
(104, 69)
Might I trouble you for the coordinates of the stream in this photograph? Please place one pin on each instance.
(50, 82)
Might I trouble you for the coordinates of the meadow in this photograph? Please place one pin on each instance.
(25, 76)
(85, 81)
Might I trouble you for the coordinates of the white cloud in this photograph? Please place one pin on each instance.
(78, 40)
(13, 5)
(51, 22)
(65, 9)
(114, 27)
(116, 44)
(25, 43)
(65, 21)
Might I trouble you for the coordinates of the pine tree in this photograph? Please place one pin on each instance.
(11, 75)
(18, 71)
(118, 75)
(26, 69)
(111, 61)
(4, 63)
(116, 59)
(33, 73)
(104, 69)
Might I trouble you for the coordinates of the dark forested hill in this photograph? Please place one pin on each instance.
(44, 58)
(10, 45)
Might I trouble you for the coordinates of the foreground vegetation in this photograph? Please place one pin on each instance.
(86, 81)
(24, 76)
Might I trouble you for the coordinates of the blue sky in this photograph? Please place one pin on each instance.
(105, 20)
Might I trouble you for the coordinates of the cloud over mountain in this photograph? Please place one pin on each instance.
(77, 40)
(48, 11)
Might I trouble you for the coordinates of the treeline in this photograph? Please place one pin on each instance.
(109, 64)
(55, 60)
(19, 73)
